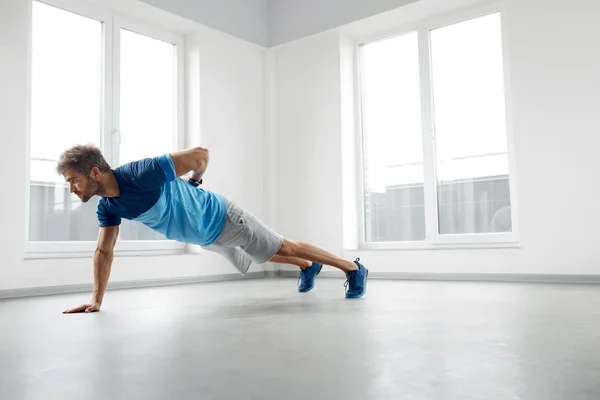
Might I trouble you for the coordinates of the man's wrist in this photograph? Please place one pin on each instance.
(197, 174)
(194, 182)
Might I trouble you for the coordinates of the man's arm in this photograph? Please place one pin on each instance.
(195, 160)
(103, 257)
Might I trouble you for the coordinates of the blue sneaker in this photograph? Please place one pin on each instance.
(307, 277)
(356, 285)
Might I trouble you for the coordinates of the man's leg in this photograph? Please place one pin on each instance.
(236, 256)
(356, 272)
(300, 262)
(263, 244)
(311, 252)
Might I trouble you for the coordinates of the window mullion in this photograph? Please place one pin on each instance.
(114, 138)
(427, 121)
(107, 95)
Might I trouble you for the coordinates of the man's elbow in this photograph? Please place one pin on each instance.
(104, 251)
(201, 157)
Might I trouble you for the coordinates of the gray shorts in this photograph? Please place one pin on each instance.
(245, 239)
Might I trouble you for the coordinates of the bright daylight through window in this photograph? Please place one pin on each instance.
(70, 73)
(469, 168)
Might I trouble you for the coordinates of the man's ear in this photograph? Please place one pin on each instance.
(95, 174)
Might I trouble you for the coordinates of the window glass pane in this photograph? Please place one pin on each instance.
(66, 104)
(470, 127)
(392, 140)
(148, 93)
(147, 97)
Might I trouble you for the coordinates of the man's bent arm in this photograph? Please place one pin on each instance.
(195, 160)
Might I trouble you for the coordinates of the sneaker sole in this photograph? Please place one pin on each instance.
(307, 290)
(364, 291)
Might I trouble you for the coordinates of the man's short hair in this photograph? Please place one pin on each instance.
(82, 158)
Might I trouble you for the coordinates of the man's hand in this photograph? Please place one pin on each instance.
(87, 308)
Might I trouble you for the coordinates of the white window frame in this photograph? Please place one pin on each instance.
(435, 240)
(110, 136)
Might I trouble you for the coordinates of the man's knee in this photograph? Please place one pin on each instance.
(287, 249)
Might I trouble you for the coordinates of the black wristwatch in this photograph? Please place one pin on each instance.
(194, 182)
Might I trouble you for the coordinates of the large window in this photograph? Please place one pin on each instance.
(434, 126)
(393, 145)
(99, 79)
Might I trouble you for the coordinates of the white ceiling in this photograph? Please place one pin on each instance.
(246, 19)
(293, 19)
(273, 22)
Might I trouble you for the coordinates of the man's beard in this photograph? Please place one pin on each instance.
(95, 188)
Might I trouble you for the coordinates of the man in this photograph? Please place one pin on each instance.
(150, 191)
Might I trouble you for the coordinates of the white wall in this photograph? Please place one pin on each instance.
(307, 127)
(292, 19)
(245, 19)
(232, 116)
(555, 87)
(230, 124)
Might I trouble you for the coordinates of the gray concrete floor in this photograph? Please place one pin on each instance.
(260, 339)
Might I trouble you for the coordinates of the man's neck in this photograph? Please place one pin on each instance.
(110, 186)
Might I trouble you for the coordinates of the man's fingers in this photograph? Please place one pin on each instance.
(76, 309)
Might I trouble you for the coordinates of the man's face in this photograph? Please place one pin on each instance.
(85, 187)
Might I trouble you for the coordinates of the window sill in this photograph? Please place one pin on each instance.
(61, 250)
(88, 254)
(416, 246)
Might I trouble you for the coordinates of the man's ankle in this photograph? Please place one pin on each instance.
(352, 266)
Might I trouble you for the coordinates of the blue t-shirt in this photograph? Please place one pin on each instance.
(150, 193)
